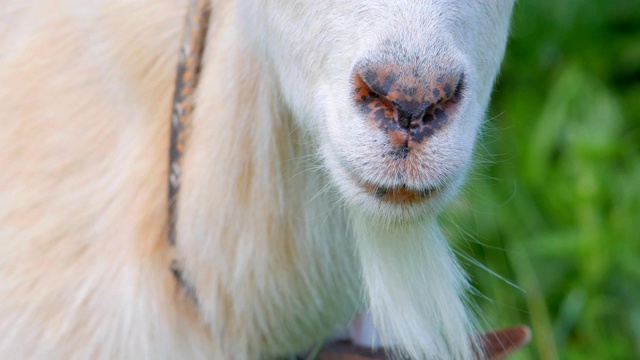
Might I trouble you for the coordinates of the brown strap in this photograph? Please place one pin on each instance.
(496, 344)
(191, 49)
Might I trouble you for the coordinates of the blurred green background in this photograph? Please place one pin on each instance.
(553, 205)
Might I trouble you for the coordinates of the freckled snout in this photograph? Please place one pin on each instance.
(408, 107)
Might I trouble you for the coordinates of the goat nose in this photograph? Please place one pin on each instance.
(406, 106)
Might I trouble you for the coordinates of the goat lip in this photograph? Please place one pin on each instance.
(399, 194)
(393, 194)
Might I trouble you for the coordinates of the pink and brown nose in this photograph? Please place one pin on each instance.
(407, 107)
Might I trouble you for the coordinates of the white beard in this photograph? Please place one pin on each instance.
(415, 288)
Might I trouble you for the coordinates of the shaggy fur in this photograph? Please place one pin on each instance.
(279, 242)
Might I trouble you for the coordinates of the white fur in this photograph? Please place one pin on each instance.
(416, 289)
(275, 236)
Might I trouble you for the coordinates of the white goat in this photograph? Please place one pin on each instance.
(326, 136)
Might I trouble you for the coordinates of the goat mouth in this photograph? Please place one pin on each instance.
(399, 194)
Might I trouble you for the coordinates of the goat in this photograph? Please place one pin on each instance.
(326, 136)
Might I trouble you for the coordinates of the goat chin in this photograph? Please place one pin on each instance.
(415, 288)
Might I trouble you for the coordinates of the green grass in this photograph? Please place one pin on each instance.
(554, 203)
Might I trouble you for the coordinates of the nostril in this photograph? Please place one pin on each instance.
(370, 99)
(457, 89)
(447, 92)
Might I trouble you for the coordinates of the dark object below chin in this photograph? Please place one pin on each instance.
(497, 345)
